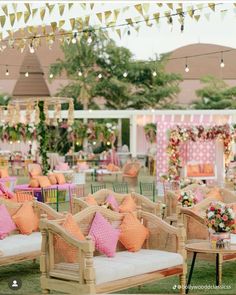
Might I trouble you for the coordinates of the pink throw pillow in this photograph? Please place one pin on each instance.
(112, 201)
(6, 223)
(104, 235)
(199, 195)
(6, 192)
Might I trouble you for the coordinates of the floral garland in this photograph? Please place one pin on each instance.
(180, 135)
(18, 132)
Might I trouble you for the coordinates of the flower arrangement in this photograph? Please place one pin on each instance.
(219, 217)
(187, 199)
(180, 135)
(188, 181)
(150, 130)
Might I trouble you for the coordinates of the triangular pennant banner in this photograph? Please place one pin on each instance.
(34, 11)
(72, 23)
(86, 20)
(156, 16)
(12, 18)
(160, 4)
(199, 6)
(118, 32)
(83, 5)
(207, 16)
(179, 10)
(27, 5)
(30, 29)
(70, 5)
(190, 11)
(197, 17)
(54, 26)
(61, 24)
(5, 9)
(26, 16)
(147, 21)
(170, 5)
(146, 7)
(91, 6)
(107, 14)
(50, 8)
(116, 14)
(19, 15)
(139, 8)
(212, 6)
(99, 16)
(14, 5)
(79, 22)
(129, 21)
(61, 9)
(2, 20)
(42, 13)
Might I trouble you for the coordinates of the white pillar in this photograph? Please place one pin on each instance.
(133, 136)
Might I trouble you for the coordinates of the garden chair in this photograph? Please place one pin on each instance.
(120, 187)
(148, 189)
(51, 196)
(24, 196)
(76, 192)
(97, 187)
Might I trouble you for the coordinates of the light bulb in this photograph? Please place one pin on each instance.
(222, 65)
(80, 73)
(31, 48)
(11, 142)
(100, 76)
(125, 74)
(7, 72)
(29, 142)
(186, 69)
(51, 76)
(90, 40)
(94, 143)
(18, 141)
(154, 74)
(27, 74)
(108, 143)
(74, 39)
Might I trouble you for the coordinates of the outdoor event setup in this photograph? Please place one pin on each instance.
(117, 154)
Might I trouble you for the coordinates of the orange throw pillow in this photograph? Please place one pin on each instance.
(133, 233)
(91, 200)
(215, 193)
(34, 183)
(4, 172)
(60, 178)
(36, 171)
(208, 169)
(69, 252)
(52, 178)
(128, 205)
(43, 181)
(193, 170)
(26, 219)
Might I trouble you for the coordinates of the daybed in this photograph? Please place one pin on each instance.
(100, 196)
(92, 273)
(18, 247)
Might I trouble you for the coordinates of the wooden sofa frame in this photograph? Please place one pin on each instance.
(100, 196)
(40, 208)
(81, 280)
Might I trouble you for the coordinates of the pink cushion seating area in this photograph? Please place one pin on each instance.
(6, 223)
(112, 201)
(62, 166)
(5, 191)
(104, 235)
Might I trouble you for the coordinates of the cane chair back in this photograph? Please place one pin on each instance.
(97, 187)
(148, 189)
(120, 187)
(50, 196)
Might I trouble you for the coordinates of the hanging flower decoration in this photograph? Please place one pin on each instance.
(150, 130)
(17, 132)
(179, 135)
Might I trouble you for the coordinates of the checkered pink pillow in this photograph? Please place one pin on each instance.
(104, 235)
(6, 192)
(199, 195)
(112, 201)
(6, 223)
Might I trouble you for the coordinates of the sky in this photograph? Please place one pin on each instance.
(212, 27)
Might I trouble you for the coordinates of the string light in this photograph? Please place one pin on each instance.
(90, 40)
(74, 39)
(100, 76)
(222, 64)
(186, 66)
(80, 73)
(125, 74)
(27, 74)
(7, 72)
(154, 74)
(31, 48)
(51, 76)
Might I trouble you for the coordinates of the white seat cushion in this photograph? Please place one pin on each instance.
(127, 264)
(20, 244)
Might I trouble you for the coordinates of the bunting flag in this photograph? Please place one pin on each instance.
(50, 8)
(190, 11)
(116, 14)
(26, 16)
(54, 26)
(212, 6)
(2, 20)
(14, 5)
(61, 9)
(170, 5)
(147, 19)
(129, 21)
(197, 17)
(86, 20)
(72, 23)
(27, 5)
(70, 5)
(139, 8)
(118, 31)
(83, 5)
(99, 16)
(12, 17)
(199, 6)
(156, 16)
(79, 22)
(5, 9)
(61, 24)
(34, 11)
(146, 7)
(91, 6)
(107, 14)
(19, 15)
(42, 13)
(207, 16)
(179, 10)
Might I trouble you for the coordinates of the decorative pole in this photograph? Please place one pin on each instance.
(43, 138)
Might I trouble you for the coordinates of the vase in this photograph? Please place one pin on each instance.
(220, 240)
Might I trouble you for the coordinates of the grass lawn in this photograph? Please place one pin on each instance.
(203, 275)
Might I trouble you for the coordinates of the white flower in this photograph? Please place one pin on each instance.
(221, 225)
(210, 214)
(114, 127)
(108, 125)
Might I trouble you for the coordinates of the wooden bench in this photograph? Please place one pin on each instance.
(16, 247)
(100, 196)
(95, 274)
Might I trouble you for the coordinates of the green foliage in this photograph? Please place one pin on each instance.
(4, 99)
(215, 94)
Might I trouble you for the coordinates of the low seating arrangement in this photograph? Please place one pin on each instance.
(18, 247)
(100, 197)
(93, 273)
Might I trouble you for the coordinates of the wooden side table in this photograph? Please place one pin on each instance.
(205, 247)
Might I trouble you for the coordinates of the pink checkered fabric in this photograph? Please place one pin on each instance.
(6, 223)
(6, 192)
(112, 201)
(104, 235)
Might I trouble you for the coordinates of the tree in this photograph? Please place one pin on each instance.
(216, 94)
